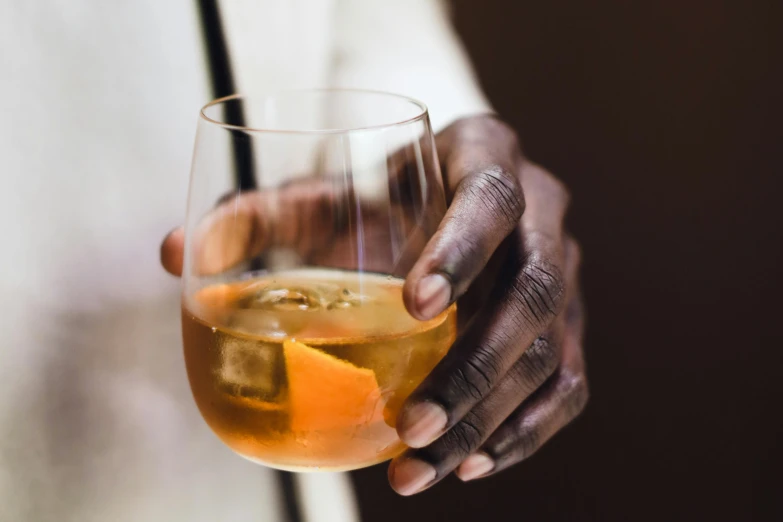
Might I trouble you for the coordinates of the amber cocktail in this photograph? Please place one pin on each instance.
(308, 369)
(307, 211)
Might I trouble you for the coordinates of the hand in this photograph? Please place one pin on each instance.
(515, 375)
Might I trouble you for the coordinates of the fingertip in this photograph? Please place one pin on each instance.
(420, 424)
(475, 466)
(408, 476)
(172, 251)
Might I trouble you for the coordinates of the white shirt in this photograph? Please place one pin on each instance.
(98, 106)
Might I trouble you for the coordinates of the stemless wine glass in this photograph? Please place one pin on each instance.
(306, 211)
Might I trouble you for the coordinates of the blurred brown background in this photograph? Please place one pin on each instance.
(664, 119)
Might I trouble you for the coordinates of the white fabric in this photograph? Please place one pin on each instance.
(408, 47)
(98, 105)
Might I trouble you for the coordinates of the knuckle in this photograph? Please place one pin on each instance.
(537, 364)
(480, 371)
(540, 290)
(527, 441)
(576, 394)
(465, 436)
(466, 385)
(500, 191)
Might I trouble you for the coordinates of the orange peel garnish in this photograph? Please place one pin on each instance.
(328, 393)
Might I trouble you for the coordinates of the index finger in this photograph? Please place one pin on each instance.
(299, 216)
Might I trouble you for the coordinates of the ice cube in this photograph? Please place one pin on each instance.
(251, 368)
(282, 298)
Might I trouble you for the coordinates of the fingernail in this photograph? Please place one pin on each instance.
(432, 295)
(411, 476)
(421, 424)
(475, 466)
(176, 230)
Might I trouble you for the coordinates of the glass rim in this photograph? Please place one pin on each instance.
(421, 115)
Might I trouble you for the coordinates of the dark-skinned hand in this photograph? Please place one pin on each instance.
(516, 375)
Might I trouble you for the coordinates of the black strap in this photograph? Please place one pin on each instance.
(290, 496)
(222, 80)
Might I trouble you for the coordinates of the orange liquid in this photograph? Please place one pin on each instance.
(308, 369)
